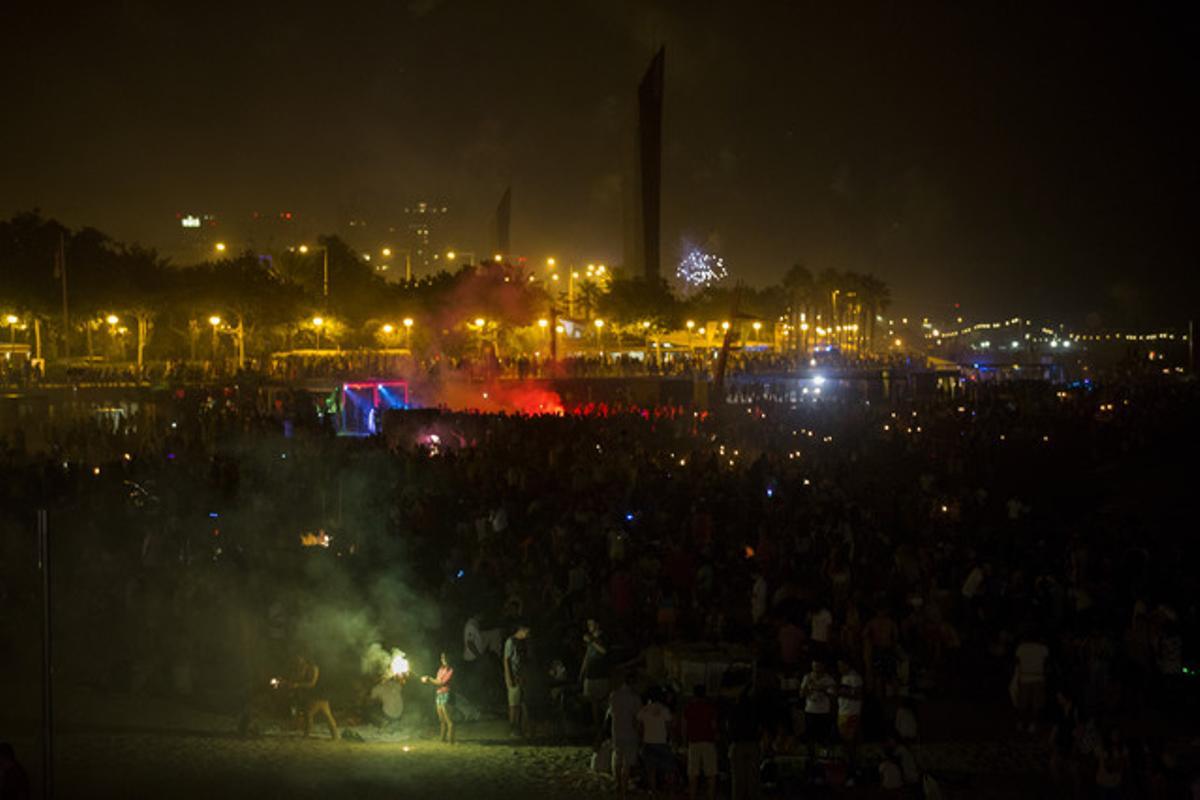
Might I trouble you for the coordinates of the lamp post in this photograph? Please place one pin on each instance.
(219, 247)
(690, 325)
(599, 323)
(408, 323)
(12, 320)
(466, 256)
(318, 323)
(215, 322)
(325, 271)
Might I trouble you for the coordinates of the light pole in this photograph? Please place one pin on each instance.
(408, 323)
(690, 324)
(12, 320)
(571, 293)
(215, 322)
(599, 323)
(757, 326)
(481, 324)
(466, 256)
(318, 323)
(325, 272)
(219, 247)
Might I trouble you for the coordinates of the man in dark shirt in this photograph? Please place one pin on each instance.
(700, 733)
(745, 752)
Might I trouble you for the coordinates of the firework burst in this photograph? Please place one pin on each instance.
(698, 269)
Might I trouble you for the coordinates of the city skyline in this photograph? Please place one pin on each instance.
(1030, 160)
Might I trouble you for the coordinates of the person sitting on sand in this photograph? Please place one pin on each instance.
(442, 680)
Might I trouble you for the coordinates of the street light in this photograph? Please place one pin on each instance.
(550, 262)
(220, 247)
(690, 324)
(318, 323)
(215, 322)
(111, 319)
(325, 273)
(408, 323)
(388, 328)
(12, 320)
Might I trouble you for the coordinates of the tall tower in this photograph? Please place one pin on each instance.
(502, 223)
(648, 181)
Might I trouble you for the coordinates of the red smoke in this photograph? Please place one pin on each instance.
(497, 397)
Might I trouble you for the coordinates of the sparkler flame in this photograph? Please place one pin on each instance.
(399, 665)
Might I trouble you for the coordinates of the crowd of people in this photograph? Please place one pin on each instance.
(342, 365)
(869, 559)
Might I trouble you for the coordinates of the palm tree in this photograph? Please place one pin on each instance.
(876, 299)
(800, 285)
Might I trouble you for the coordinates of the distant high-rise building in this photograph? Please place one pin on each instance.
(421, 223)
(643, 237)
(501, 224)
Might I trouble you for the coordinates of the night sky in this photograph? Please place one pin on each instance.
(1003, 156)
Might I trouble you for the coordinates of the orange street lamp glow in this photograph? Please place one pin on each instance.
(480, 322)
(690, 324)
(550, 262)
(543, 323)
(387, 251)
(599, 323)
(13, 319)
(408, 322)
(220, 247)
(318, 321)
(303, 248)
(451, 255)
(388, 328)
(214, 320)
(111, 319)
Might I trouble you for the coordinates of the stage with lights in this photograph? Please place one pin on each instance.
(363, 404)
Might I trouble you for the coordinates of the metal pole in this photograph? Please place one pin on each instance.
(62, 265)
(325, 251)
(407, 266)
(47, 662)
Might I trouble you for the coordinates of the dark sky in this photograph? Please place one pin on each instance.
(1013, 158)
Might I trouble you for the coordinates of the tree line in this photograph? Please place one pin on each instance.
(125, 302)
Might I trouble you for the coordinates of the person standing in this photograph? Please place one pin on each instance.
(593, 670)
(745, 748)
(514, 680)
(304, 687)
(881, 636)
(624, 706)
(655, 718)
(441, 697)
(849, 710)
(818, 689)
(700, 733)
(1031, 658)
(821, 627)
